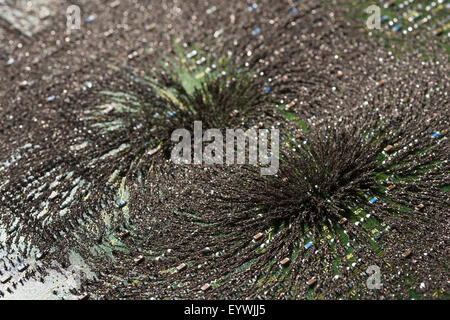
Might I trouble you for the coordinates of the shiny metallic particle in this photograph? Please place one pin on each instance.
(40, 256)
(181, 267)
(53, 195)
(114, 4)
(420, 207)
(205, 287)
(407, 253)
(234, 113)
(211, 10)
(290, 104)
(206, 250)
(218, 33)
(133, 55)
(389, 4)
(23, 267)
(438, 31)
(191, 54)
(311, 281)
(153, 151)
(85, 296)
(5, 279)
(139, 259)
(201, 61)
(257, 236)
(125, 234)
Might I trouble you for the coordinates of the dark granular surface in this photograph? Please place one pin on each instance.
(364, 168)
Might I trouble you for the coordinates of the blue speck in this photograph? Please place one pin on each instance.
(293, 10)
(435, 135)
(373, 200)
(268, 89)
(10, 61)
(90, 18)
(51, 98)
(122, 204)
(384, 18)
(308, 245)
(397, 28)
(253, 6)
(256, 31)
(171, 114)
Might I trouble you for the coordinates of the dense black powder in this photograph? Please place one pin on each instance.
(363, 131)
